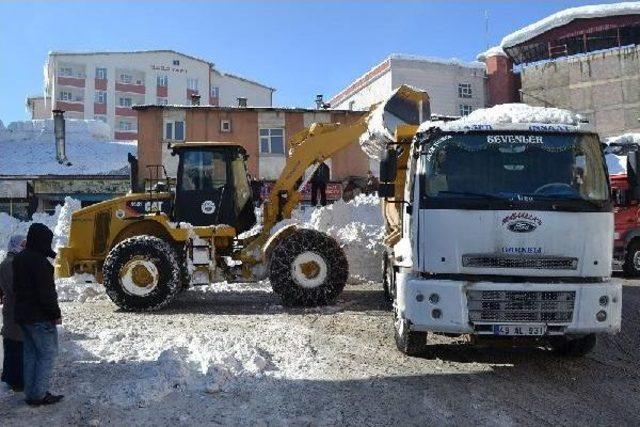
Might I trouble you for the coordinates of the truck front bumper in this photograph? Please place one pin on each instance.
(444, 306)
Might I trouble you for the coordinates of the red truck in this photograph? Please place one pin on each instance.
(626, 237)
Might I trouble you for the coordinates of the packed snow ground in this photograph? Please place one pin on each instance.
(29, 149)
(235, 356)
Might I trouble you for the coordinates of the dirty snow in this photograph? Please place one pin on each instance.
(30, 149)
(565, 16)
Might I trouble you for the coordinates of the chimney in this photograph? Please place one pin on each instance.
(59, 131)
(195, 99)
(242, 102)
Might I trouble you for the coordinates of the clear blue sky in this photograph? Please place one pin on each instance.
(300, 48)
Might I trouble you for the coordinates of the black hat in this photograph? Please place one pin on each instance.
(39, 239)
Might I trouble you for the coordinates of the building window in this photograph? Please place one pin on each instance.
(126, 126)
(272, 141)
(465, 110)
(101, 97)
(66, 71)
(192, 83)
(176, 62)
(161, 100)
(215, 92)
(100, 118)
(464, 90)
(126, 78)
(125, 102)
(174, 130)
(65, 96)
(101, 73)
(163, 81)
(225, 125)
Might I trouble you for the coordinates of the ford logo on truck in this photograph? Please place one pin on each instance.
(521, 222)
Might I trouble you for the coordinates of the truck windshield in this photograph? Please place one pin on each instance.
(516, 166)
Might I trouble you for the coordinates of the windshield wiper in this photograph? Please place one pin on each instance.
(472, 194)
(563, 197)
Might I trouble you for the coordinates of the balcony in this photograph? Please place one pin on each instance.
(99, 108)
(162, 91)
(70, 106)
(130, 88)
(101, 84)
(126, 112)
(71, 81)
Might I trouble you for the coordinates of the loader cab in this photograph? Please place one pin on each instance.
(213, 186)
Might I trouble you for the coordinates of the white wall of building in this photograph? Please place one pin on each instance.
(439, 78)
(179, 70)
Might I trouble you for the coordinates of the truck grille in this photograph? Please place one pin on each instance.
(528, 261)
(521, 306)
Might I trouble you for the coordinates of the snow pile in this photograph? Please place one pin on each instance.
(358, 226)
(79, 288)
(162, 364)
(565, 16)
(29, 149)
(509, 114)
(434, 60)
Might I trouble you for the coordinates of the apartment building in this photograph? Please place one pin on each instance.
(106, 85)
(455, 88)
(263, 132)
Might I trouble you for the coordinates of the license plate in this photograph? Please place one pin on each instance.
(519, 330)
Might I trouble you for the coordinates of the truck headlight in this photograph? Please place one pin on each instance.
(601, 316)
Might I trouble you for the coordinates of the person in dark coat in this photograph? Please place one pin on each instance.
(11, 332)
(37, 312)
(319, 181)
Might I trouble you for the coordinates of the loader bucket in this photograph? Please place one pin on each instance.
(405, 106)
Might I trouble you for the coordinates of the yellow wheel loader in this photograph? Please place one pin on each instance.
(149, 244)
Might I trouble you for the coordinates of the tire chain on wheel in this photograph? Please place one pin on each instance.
(291, 246)
(168, 268)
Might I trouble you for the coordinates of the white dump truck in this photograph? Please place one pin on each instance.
(500, 229)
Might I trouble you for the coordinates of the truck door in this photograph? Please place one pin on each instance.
(203, 194)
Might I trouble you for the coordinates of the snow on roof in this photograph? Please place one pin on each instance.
(443, 61)
(124, 52)
(493, 51)
(509, 114)
(28, 148)
(565, 16)
(624, 139)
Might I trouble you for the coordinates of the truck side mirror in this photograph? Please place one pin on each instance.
(388, 164)
(633, 175)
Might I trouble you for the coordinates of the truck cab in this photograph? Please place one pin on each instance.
(506, 235)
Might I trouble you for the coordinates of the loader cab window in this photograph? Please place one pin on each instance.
(203, 170)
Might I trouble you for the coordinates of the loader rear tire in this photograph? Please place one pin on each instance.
(308, 268)
(142, 273)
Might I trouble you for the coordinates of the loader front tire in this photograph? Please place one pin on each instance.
(142, 273)
(308, 268)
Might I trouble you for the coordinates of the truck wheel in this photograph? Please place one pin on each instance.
(575, 346)
(142, 273)
(631, 265)
(308, 268)
(411, 343)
